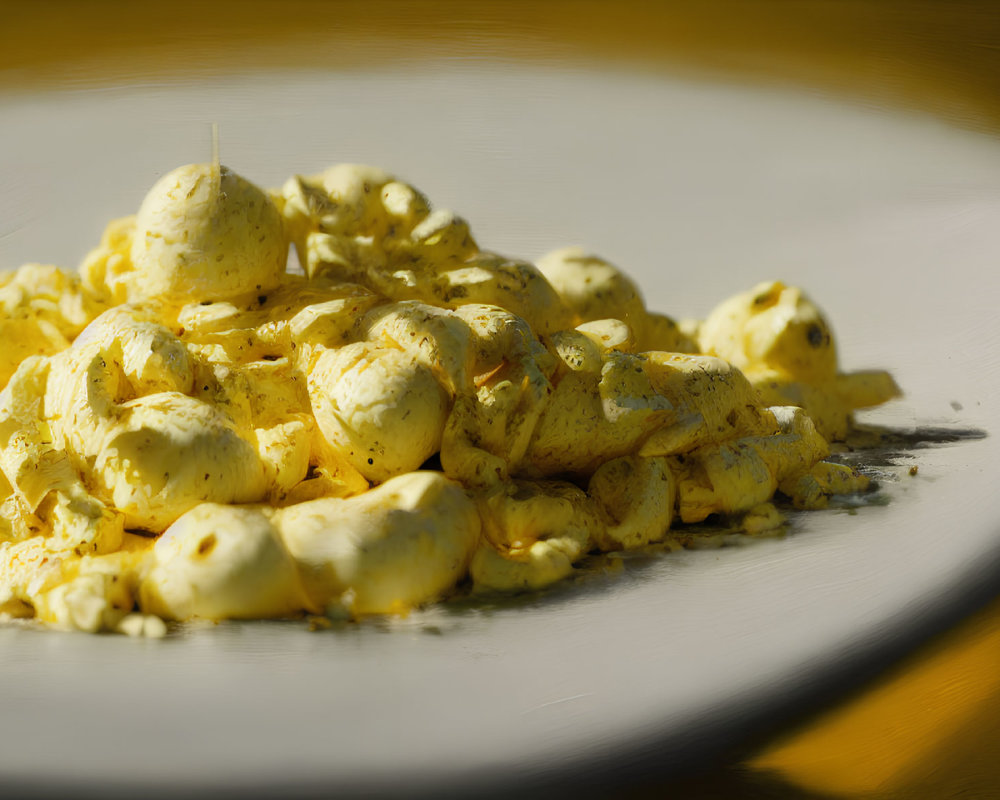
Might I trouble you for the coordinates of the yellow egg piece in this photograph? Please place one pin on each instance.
(204, 232)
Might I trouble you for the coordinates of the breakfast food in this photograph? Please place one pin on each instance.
(189, 429)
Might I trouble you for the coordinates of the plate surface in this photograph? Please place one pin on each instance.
(699, 190)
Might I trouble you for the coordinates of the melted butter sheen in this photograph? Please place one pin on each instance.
(187, 430)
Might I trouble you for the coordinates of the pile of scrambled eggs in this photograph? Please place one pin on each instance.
(188, 429)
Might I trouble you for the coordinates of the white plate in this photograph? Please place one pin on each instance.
(699, 190)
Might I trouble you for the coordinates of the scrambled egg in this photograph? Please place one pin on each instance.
(190, 430)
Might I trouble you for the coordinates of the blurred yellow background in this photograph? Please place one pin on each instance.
(929, 727)
(937, 56)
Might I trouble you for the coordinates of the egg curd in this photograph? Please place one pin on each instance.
(189, 429)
